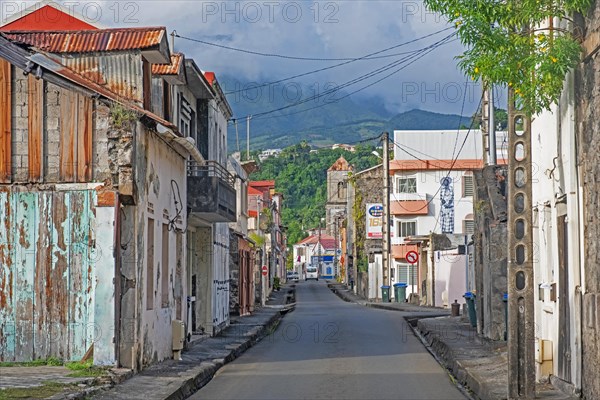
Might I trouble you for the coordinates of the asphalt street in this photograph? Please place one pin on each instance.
(329, 349)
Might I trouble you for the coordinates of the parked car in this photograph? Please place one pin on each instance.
(311, 273)
(293, 276)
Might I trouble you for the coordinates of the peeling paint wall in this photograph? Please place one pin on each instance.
(50, 251)
(56, 233)
(153, 287)
(164, 185)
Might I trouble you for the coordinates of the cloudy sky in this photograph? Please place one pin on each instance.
(309, 29)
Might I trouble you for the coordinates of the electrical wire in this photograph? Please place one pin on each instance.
(287, 57)
(361, 78)
(365, 57)
(455, 159)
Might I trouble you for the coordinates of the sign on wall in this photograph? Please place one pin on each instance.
(374, 221)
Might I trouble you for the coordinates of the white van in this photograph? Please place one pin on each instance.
(311, 273)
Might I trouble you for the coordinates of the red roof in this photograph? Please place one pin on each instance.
(84, 41)
(169, 69)
(46, 18)
(340, 165)
(328, 242)
(210, 77)
(270, 184)
(253, 191)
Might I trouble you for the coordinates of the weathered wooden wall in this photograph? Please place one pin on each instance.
(47, 261)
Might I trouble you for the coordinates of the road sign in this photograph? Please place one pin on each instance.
(265, 271)
(412, 256)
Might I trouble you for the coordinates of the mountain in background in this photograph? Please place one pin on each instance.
(332, 118)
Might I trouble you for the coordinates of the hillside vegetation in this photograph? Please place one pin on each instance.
(301, 176)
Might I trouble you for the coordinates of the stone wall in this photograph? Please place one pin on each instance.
(367, 188)
(491, 251)
(587, 104)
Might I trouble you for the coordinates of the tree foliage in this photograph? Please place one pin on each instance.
(514, 43)
(301, 176)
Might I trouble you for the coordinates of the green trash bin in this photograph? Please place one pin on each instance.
(470, 299)
(385, 294)
(400, 292)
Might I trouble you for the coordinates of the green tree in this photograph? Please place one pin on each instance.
(510, 43)
(301, 175)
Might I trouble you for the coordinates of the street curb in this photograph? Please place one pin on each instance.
(458, 375)
(203, 374)
(438, 349)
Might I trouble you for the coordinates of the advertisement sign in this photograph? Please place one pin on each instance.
(374, 221)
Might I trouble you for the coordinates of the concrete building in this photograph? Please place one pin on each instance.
(313, 250)
(337, 193)
(264, 208)
(242, 254)
(118, 118)
(364, 244)
(557, 231)
(84, 157)
(431, 192)
(200, 107)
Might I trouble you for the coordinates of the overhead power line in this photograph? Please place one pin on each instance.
(287, 57)
(408, 60)
(454, 160)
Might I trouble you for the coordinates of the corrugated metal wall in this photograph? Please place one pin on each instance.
(47, 258)
(119, 72)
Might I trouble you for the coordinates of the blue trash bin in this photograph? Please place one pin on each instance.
(385, 294)
(400, 292)
(470, 299)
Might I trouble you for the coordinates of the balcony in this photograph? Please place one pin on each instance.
(211, 192)
(405, 208)
(399, 250)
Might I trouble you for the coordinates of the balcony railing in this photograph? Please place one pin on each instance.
(211, 169)
(211, 192)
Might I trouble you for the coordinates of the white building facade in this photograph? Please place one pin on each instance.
(558, 250)
(432, 190)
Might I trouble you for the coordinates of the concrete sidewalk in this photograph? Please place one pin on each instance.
(169, 379)
(172, 379)
(478, 364)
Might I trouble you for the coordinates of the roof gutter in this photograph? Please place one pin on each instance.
(186, 143)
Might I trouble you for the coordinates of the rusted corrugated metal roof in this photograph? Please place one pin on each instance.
(76, 78)
(169, 69)
(90, 40)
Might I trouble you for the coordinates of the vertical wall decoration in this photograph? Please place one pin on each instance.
(447, 205)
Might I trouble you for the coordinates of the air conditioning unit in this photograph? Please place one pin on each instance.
(178, 330)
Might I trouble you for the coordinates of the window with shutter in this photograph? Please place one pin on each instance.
(468, 186)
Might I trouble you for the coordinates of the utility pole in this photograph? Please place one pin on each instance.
(319, 248)
(248, 137)
(521, 321)
(335, 235)
(386, 211)
(492, 127)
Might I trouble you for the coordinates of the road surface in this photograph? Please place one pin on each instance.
(329, 349)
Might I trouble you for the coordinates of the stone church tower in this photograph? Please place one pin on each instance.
(337, 191)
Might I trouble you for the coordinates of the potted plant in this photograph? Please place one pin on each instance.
(276, 283)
